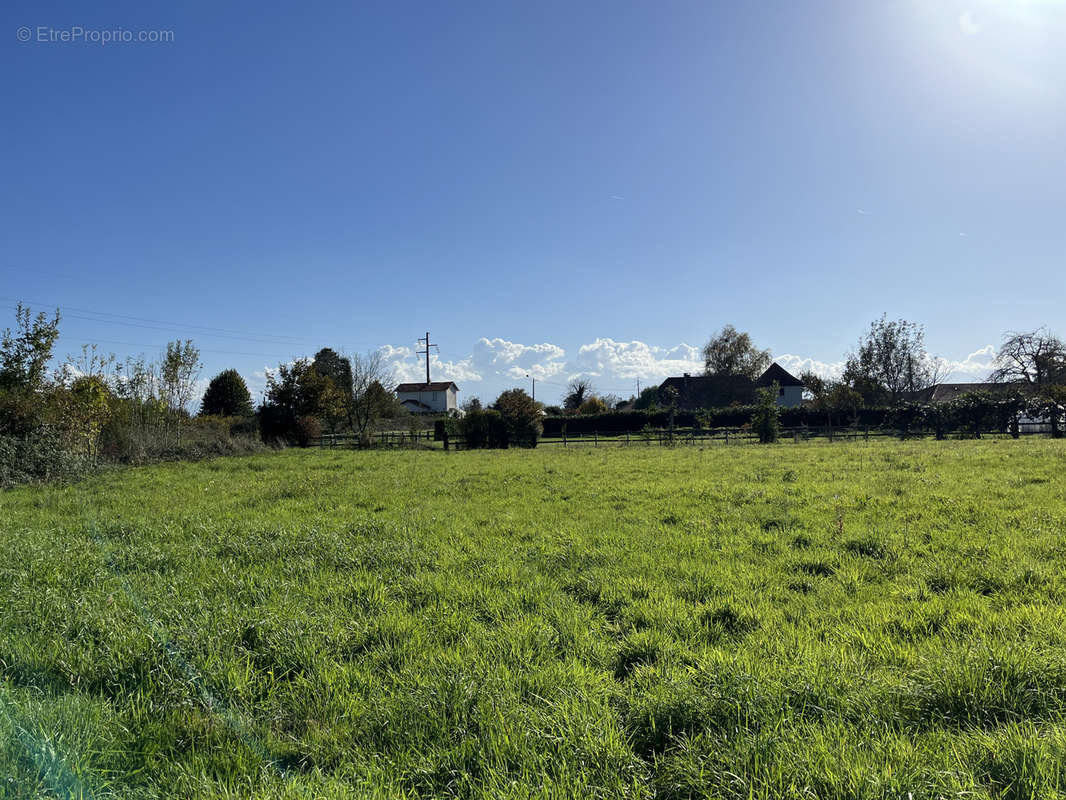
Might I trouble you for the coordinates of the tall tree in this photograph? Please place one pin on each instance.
(331, 364)
(227, 395)
(731, 352)
(890, 361)
(178, 373)
(1036, 357)
(371, 391)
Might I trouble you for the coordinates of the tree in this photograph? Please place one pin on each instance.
(293, 392)
(90, 406)
(227, 395)
(731, 352)
(521, 417)
(579, 390)
(890, 361)
(648, 398)
(25, 353)
(372, 394)
(330, 364)
(1037, 358)
(766, 421)
(830, 396)
(178, 373)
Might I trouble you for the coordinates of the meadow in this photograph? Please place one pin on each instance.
(848, 620)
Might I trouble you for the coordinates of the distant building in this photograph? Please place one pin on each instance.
(437, 397)
(790, 388)
(718, 391)
(946, 392)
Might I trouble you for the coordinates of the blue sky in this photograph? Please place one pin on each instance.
(559, 188)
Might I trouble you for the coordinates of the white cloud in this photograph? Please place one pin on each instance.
(975, 367)
(495, 364)
(799, 364)
(407, 366)
(612, 359)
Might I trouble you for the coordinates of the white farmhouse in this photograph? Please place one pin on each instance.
(437, 397)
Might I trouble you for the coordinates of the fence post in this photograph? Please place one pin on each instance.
(596, 438)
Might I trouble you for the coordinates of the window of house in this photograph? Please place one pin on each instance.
(436, 396)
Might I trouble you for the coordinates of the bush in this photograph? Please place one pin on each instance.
(40, 455)
(766, 420)
(594, 405)
(521, 418)
(484, 428)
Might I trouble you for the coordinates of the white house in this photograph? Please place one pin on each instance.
(789, 387)
(437, 397)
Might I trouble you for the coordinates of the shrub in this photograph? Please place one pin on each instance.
(521, 418)
(594, 405)
(40, 455)
(766, 420)
(484, 428)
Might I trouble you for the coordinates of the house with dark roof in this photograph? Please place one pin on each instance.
(789, 387)
(435, 397)
(946, 392)
(718, 391)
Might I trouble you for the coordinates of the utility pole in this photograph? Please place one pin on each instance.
(534, 398)
(426, 353)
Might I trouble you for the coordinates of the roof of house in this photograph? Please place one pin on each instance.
(432, 386)
(946, 392)
(775, 373)
(709, 391)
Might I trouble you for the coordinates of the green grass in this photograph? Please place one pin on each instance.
(849, 620)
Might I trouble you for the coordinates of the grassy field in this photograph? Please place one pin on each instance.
(849, 620)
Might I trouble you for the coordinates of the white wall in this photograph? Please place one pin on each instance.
(439, 401)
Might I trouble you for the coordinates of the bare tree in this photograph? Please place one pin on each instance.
(731, 352)
(373, 385)
(1036, 357)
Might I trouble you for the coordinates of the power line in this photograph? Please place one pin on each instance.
(162, 347)
(190, 329)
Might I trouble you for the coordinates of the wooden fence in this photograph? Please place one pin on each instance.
(659, 437)
(377, 439)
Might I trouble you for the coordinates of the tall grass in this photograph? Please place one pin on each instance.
(867, 620)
